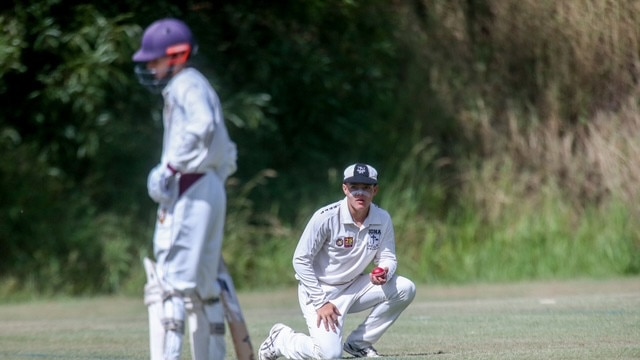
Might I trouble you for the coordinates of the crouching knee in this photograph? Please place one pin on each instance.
(406, 289)
(328, 352)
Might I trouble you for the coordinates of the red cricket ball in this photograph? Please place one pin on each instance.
(378, 271)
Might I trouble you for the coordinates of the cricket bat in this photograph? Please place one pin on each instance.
(234, 316)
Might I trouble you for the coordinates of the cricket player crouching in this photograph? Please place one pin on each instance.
(338, 244)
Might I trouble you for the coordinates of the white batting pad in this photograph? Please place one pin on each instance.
(153, 300)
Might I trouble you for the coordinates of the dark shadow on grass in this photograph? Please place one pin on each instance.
(386, 356)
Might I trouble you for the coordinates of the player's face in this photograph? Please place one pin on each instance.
(359, 196)
(160, 67)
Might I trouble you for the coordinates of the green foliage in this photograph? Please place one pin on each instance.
(328, 68)
(250, 234)
(555, 243)
(11, 46)
(505, 144)
(59, 183)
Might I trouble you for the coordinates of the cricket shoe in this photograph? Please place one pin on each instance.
(268, 349)
(367, 352)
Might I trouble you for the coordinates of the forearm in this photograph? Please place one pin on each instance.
(309, 281)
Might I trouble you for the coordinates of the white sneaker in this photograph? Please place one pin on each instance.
(268, 350)
(368, 352)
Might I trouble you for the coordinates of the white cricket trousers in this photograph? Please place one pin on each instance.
(188, 243)
(386, 303)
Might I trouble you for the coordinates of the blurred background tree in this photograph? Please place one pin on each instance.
(505, 133)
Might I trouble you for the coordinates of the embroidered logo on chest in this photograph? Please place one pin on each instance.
(345, 241)
(374, 239)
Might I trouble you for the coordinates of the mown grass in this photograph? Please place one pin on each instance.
(540, 320)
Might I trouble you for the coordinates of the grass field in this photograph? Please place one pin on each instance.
(582, 319)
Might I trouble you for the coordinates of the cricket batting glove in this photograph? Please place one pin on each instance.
(162, 184)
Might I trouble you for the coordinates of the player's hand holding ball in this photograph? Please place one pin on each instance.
(162, 185)
(379, 276)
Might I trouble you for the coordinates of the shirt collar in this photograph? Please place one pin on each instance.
(345, 215)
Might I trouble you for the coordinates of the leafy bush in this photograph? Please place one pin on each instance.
(506, 144)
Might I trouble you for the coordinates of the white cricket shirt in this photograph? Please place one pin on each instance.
(195, 135)
(333, 251)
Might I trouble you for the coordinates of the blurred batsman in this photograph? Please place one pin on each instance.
(182, 289)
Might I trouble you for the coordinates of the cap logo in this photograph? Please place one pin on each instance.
(360, 173)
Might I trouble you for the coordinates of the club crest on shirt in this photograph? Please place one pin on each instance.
(374, 239)
(345, 241)
(348, 242)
